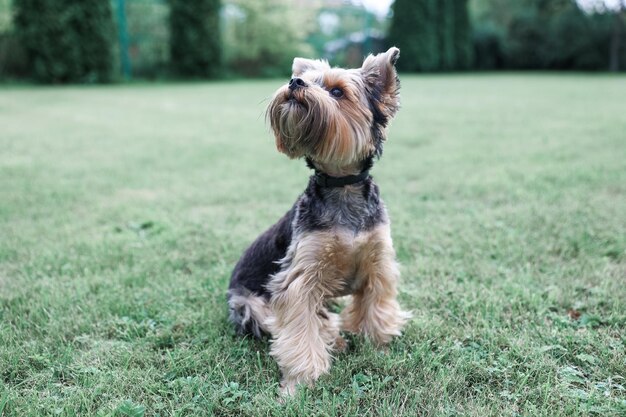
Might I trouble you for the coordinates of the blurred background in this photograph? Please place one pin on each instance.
(94, 41)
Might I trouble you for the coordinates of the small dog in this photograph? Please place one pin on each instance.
(335, 240)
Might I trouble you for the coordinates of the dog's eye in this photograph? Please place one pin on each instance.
(336, 92)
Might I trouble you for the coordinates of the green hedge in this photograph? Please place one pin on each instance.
(462, 37)
(414, 31)
(195, 45)
(567, 40)
(555, 35)
(66, 40)
(433, 35)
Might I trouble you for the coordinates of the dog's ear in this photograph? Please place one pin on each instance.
(301, 65)
(381, 79)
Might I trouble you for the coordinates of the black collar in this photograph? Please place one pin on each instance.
(324, 180)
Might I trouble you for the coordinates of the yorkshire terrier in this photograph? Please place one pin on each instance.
(335, 241)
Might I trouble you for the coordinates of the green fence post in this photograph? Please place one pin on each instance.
(127, 70)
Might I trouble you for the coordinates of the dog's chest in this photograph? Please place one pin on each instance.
(350, 208)
(346, 257)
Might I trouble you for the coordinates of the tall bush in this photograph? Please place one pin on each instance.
(580, 42)
(195, 45)
(526, 41)
(445, 34)
(433, 35)
(540, 34)
(462, 37)
(66, 40)
(487, 47)
(414, 30)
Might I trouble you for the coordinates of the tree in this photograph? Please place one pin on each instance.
(446, 34)
(548, 34)
(195, 45)
(617, 37)
(433, 35)
(414, 31)
(462, 37)
(262, 37)
(65, 40)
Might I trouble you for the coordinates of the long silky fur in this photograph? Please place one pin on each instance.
(333, 242)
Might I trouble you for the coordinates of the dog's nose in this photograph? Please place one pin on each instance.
(296, 82)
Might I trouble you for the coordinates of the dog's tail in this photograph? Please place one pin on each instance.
(248, 312)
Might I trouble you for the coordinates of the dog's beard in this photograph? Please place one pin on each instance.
(298, 121)
(310, 123)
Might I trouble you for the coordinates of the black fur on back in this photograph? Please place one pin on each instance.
(260, 260)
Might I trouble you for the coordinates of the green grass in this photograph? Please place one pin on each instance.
(123, 210)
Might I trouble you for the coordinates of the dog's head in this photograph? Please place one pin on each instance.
(335, 115)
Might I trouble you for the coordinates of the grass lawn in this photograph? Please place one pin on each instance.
(123, 210)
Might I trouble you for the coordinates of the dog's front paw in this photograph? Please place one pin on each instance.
(340, 345)
(287, 389)
(289, 386)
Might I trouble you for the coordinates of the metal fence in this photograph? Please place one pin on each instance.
(141, 39)
(143, 35)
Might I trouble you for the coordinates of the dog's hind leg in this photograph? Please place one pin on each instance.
(248, 312)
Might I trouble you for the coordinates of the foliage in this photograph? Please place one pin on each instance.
(344, 35)
(462, 35)
(12, 57)
(414, 30)
(65, 40)
(432, 34)
(539, 34)
(487, 47)
(6, 23)
(263, 36)
(13, 60)
(446, 25)
(149, 37)
(195, 44)
(588, 50)
(120, 225)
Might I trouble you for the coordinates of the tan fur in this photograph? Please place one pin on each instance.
(254, 306)
(302, 337)
(326, 265)
(373, 309)
(380, 69)
(337, 133)
(338, 130)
